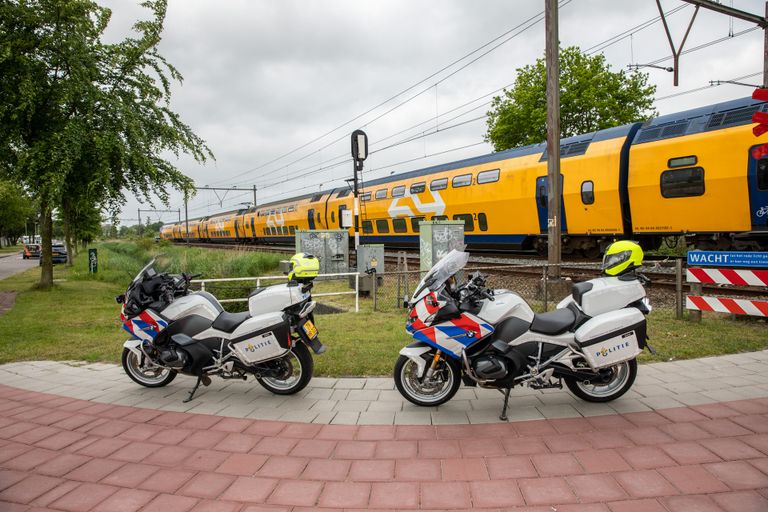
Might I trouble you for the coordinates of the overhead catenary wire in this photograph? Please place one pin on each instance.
(697, 89)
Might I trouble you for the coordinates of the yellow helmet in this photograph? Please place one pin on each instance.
(622, 257)
(303, 267)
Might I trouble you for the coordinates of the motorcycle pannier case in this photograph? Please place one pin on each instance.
(264, 344)
(612, 337)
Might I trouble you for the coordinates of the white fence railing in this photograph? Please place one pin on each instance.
(355, 292)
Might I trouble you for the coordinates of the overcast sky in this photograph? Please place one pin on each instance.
(264, 77)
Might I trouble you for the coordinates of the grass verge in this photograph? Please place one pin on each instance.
(78, 320)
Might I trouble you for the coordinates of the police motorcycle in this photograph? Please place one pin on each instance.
(493, 339)
(175, 330)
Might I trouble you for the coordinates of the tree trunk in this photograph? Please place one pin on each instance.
(68, 237)
(46, 254)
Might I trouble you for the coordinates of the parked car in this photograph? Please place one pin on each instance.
(31, 251)
(58, 253)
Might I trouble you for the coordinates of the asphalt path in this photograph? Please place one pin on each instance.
(13, 264)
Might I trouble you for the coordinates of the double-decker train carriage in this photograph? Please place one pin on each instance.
(689, 173)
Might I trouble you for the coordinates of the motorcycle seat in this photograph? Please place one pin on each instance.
(228, 322)
(553, 322)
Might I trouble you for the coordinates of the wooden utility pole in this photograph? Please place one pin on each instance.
(553, 137)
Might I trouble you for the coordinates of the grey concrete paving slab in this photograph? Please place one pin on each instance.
(375, 401)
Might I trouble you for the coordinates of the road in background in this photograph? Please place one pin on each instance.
(13, 264)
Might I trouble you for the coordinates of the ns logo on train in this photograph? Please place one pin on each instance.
(436, 207)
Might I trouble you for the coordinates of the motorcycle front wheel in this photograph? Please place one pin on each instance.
(438, 390)
(622, 377)
(295, 372)
(149, 377)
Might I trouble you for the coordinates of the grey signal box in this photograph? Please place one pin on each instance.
(437, 238)
(331, 246)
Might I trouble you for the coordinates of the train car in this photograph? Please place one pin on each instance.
(166, 232)
(689, 174)
(693, 173)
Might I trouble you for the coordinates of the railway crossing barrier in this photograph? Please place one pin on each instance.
(739, 277)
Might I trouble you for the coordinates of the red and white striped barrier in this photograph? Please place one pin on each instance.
(727, 276)
(721, 305)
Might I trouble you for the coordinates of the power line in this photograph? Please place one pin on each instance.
(707, 44)
(630, 31)
(535, 19)
(697, 89)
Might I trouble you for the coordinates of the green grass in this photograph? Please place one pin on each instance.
(11, 249)
(79, 319)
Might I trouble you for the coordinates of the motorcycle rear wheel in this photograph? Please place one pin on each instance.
(413, 389)
(298, 370)
(623, 377)
(155, 378)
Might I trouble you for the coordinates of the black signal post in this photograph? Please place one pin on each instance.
(359, 154)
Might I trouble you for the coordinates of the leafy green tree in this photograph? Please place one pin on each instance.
(592, 97)
(16, 208)
(79, 113)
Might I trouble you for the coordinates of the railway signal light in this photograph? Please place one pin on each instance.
(761, 118)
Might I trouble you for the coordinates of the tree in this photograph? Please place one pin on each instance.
(16, 208)
(592, 97)
(84, 116)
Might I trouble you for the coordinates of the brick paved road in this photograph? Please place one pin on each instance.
(65, 454)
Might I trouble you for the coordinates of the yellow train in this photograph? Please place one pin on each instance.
(689, 173)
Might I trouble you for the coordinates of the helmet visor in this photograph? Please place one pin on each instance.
(613, 260)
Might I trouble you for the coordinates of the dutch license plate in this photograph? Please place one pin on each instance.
(310, 329)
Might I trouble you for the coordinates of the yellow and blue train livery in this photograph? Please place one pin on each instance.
(688, 174)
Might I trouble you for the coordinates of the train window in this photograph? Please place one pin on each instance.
(463, 180)
(398, 191)
(682, 161)
(318, 216)
(333, 217)
(365, 197)
(542, 196)
(399, 225)
(291, 208)
(469, 224)
(487, 176)
(682, 183)
(292, 230)
(762, 174)
(440, 184)
(367, 226)
(587, 192)
(440, 217)
(282, 210)
(343, 193)
(285, 230)
(482, 221)
(316, 198)
(415, 223)
(381, 194)
(382, 225)
(418, 188)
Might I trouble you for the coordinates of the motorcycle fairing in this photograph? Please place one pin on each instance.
(455, 335)
(423, 313)
(145, 326)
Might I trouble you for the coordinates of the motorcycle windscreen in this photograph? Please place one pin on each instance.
(439, 274)
(454, 336)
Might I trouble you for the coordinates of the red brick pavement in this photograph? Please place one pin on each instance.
(71, 455)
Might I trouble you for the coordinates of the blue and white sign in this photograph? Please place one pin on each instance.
(727, 259)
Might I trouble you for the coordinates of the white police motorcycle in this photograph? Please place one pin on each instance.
(177, 331)
(493, 339)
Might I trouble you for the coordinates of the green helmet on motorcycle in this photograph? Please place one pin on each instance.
(622, 257)
(304, 267)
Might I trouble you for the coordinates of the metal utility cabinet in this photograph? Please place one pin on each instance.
(369, 257)
(331, 246)
(437, 238)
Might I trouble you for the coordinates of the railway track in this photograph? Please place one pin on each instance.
(661, 273)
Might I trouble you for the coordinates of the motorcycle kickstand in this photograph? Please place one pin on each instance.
(503, 416)
(200, 378)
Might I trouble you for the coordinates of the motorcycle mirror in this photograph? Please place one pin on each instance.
(120, 299)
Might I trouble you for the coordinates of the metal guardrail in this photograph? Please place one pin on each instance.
(258, 280)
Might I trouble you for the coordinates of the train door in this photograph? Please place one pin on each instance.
(341, 210)
(253, 227)
(542, 198)
(311, 218)
(237, 229)
(757, 177)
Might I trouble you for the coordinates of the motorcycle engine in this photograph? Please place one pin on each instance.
(490, 367)
(173, 358)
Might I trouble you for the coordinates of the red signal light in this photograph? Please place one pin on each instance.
(761, 118)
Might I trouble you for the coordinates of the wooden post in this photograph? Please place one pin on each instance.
(553, 136)
(679, 305)
(695, 314)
